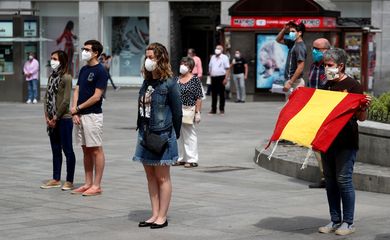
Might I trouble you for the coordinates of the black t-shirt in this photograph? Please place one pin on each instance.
(238, 65)
(90, 78)
(349, 136)
(296, 53)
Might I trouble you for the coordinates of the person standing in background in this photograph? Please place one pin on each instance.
(31, 71)
(317, 79)
(240, 75)
(296, 58)
(219, 71)
(198, 69)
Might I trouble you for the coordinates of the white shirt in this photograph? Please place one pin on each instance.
(218, 65)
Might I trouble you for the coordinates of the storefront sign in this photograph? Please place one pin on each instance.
(30, 28)
(6, 29)
(279, 22)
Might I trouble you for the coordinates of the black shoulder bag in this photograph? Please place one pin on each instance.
(152, 141)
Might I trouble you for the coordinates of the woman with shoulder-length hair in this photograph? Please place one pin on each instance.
(159, 122)
(339, 159)
(191, 97)
(59, 120)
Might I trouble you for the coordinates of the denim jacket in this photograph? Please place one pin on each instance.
(166, 107)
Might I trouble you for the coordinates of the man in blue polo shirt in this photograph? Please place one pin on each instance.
(88, 116)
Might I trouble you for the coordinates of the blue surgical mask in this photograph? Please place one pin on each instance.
(317, 55)
(292, 36)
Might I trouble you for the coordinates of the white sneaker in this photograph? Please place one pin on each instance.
(28, 101)
(331, 227)
(345, 229)
(35, 101)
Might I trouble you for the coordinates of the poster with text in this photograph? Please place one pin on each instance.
(270, 62)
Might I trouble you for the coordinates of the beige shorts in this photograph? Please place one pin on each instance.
(90, 130)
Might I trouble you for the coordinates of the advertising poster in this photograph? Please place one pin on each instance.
(270, 62)
(61, 31)
(353, 42)
(130, 37)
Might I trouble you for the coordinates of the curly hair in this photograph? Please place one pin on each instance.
(163, 69)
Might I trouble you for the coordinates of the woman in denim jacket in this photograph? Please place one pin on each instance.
(160, 112)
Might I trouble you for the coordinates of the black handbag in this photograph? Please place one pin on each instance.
(152, 141)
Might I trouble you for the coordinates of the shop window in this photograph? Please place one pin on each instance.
(6, 61)
(125, 38)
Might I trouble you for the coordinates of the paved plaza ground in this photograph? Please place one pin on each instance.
(227, 197)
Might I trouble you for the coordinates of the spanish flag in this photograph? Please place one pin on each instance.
(313, 117)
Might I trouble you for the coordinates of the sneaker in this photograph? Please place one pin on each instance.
(67, 186)
(345, 229)
(51, 184)
(35, 101)
(28, 101)
(331, 227)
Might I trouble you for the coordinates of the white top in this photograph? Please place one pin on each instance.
(218, 65)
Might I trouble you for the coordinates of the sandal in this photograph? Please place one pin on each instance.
(178, 164)
(190, 165)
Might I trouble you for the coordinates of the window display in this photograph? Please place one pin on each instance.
(352, 45)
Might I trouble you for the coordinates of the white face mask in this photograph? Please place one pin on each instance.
(237, 55)
(86, 56)
(30, 57)
(332, 73)
(54, 64)
(183, 69)
(218, 51)
(150, 65)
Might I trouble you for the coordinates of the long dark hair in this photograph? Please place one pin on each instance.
(69, 26)
(63, 58)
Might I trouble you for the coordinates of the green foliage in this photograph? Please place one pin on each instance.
(380, 108)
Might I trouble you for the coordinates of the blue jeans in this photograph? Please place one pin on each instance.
(61, 140)
(32, 89)
(338, 168)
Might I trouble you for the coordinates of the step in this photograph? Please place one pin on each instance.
(288, 159)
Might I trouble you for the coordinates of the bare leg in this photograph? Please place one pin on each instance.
(98, 156)
(153, 192)
(165, 191)
(88, 166)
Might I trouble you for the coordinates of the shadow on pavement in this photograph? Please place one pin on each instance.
(300, 224)
(139, 215)
(385, 236)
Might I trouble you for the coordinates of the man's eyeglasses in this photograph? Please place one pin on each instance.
(86, 49)
(316, 48)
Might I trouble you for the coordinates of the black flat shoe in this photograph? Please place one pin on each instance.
(145, 224)
(156, 226)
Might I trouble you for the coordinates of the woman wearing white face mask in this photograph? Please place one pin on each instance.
(339, 160)
(59, 120)
(191, 97)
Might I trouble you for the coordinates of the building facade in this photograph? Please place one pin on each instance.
(125, 27)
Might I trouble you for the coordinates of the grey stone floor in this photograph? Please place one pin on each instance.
(227, 197)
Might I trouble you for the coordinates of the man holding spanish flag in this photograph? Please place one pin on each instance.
(339, 159)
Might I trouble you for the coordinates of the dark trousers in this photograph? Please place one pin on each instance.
(61, 140)
(217, 88)
(338, 170)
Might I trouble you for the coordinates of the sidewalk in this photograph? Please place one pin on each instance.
(227, 197)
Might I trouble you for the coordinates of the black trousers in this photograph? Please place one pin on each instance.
(217, 89)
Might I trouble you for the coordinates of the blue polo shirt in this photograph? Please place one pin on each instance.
(90, 78)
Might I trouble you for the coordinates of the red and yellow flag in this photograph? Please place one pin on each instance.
(313, 117)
